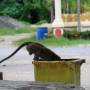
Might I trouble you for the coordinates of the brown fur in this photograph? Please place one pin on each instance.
(39, 51)
(42, 53)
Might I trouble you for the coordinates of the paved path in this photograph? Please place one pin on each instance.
(20, 67)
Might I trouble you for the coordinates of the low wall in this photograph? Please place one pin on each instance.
(28, 85)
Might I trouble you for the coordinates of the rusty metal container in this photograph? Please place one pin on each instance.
(58, 71)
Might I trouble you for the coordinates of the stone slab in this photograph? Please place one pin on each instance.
(31, 85)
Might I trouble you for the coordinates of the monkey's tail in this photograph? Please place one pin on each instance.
(22, 45)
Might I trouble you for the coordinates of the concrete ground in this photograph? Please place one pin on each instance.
(20, 67)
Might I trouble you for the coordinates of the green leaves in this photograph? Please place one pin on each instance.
(34, 11)
(70, 6)
(28, 10)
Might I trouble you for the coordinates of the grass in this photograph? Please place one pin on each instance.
(52, 41)
(8, 31)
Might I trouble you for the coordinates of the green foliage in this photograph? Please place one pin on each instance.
(8, 31)
(85, 35)
(72, 34)
(11, 8)
(28, 10)
(34, 11)
(41, 22)
(70, 6)
(77, 35)
(53, 41)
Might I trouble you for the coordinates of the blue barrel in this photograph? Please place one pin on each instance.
(42, 32)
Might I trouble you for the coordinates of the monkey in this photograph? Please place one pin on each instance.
(43, 53)
(40, 52)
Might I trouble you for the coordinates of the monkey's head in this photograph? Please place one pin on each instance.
(32, 49)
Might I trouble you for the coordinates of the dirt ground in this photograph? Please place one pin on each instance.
(9, 39)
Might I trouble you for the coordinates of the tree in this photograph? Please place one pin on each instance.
(28, 10)
(36, 10)
(70, 6)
